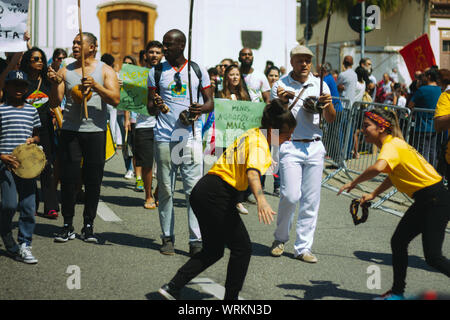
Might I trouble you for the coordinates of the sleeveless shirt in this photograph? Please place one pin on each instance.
(74, 119)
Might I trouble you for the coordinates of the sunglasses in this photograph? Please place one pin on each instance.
(60, 58)
(177, 79)
(224, 65)
(36, 59)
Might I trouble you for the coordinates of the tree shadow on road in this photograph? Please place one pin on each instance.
(386, 259)
(321, 289)
(124, 201)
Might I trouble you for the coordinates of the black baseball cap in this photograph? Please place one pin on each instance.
(17, 76)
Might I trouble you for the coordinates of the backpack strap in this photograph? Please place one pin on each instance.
(195, 67)
(198, 72)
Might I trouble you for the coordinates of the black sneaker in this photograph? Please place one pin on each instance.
(195, 247)
(87, 234)
(169, 292)
(167, 247)
(65, 234)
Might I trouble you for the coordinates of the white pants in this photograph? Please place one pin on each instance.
(301, 167)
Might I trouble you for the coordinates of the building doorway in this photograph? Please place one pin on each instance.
(125, 29)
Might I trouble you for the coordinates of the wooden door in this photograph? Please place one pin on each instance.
(125, 34)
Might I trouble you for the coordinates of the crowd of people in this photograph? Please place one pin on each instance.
(34, 90)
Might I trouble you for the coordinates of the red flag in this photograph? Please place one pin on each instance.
(418, 55)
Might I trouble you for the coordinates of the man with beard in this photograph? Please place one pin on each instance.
(257, 84)
(371, 81)
(81, 137)
(178, 145)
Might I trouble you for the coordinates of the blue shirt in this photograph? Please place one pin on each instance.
(426, 97)
(16, 126)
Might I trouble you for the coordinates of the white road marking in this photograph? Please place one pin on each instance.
(104, 212)
(211, 287)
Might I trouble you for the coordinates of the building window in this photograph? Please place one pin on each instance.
(446, 45)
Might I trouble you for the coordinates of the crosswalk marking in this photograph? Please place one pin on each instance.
(211, 287)
(104, 212)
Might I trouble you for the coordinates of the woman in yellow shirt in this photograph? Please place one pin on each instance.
(214, 199)
(410, 173)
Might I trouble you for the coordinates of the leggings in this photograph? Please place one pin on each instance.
(214, 204)
(428, 215)
(88, 147)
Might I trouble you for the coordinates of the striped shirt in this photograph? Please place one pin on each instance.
(16, 126)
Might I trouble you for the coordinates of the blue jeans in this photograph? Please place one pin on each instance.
(169, 158)
(12, 186)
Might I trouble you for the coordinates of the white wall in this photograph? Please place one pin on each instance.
(216, 30)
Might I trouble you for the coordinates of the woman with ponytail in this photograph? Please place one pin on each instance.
(410, 173)
(214, 199)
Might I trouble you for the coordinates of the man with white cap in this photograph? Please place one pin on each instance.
(301, 158)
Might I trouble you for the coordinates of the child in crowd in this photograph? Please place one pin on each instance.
(18, 125)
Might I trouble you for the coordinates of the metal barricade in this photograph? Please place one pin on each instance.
(335, 134)
(423, 136)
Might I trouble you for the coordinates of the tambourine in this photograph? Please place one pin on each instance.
(32, 160)
(354, 206)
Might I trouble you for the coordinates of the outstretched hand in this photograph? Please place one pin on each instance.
(265, 212)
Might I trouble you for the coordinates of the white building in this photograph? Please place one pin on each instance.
(123, 27)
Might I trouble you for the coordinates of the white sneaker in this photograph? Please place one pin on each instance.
(240, 207)
(25, 254)
(129, 175)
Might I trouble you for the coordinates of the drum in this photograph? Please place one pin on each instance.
(110, 151)
(32, 160)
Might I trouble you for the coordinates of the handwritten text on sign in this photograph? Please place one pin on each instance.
(13, 24)
(134, 92)
(233, 118)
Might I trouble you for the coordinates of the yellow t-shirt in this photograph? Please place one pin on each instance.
(249, 151)
(443, 109)
(409, 171)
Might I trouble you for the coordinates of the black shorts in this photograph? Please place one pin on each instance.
(143, 147)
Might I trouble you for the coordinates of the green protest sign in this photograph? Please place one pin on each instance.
(233, 118)
(134, 91)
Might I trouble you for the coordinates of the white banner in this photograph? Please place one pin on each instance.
(13, 24)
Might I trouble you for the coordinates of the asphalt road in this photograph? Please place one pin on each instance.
(354, 261)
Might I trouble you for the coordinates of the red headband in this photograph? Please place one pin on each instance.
(382, 123)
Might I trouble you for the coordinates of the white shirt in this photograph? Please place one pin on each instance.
(257, 83)
(167, 124)
(360, 89)
(307, 123)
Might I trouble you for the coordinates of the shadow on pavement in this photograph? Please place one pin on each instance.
(321, 289)
(186, 294)
(386, 259)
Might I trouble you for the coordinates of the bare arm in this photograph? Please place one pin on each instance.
(442, 123)
(208, 103)
(11, 66)
(329, 113)
(369, 173)
(109, 92)
(266, 96)
(265, 212)
(58, 87)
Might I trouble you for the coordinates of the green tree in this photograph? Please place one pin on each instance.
(344, 6)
